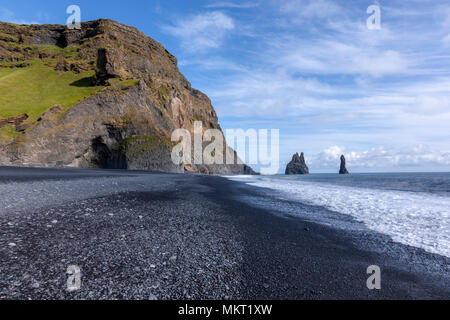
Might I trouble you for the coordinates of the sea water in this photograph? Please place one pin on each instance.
(412, 208)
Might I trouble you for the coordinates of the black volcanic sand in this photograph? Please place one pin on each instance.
(187, 237)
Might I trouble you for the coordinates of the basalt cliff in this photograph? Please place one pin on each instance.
(105, 96)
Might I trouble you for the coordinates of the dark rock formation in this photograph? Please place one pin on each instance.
(297, 165)
(343, 169)
(105, 69)
(23, 126)
(119, 127)
(16, 121)
(49, 114)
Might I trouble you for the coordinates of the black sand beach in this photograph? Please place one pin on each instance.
(138, 235)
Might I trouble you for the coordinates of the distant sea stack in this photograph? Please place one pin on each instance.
(297, 165)
(343, 169)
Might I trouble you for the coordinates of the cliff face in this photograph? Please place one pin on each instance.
(138, 98)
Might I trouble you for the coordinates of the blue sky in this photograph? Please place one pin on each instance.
(310, 68)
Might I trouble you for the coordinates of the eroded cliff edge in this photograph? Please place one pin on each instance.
(138, 98)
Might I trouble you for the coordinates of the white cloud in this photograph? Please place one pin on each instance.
(291, 78)
(212, 63)
(264, 93)
(381, 157)
(431, 105)
(332, 118)
(7, 15)
(203, 31)
(336, 57)
(328, 80)
(446, 40)
(241, 5)
(310, 9)
(446, 20)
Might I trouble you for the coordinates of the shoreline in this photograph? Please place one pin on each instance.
(167, 236)
(342, 256)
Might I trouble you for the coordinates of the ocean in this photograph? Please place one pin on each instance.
(411, 208)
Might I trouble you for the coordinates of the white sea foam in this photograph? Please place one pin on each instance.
(417, 219)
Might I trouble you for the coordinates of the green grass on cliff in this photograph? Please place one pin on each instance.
(36, 88)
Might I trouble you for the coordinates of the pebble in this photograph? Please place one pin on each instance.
(155, 286)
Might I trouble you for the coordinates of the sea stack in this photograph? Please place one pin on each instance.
(297, 165)
(343, 169)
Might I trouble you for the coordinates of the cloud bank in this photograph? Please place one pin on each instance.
(381, 157)
(202, 31)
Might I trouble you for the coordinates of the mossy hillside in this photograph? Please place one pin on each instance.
(38, 87)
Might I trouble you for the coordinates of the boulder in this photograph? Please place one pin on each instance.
(297, 165)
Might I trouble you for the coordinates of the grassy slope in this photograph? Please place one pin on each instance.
(36, 88)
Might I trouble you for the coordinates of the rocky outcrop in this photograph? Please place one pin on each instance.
(16, 121)
(343, 169)
(53, 111)
(127, 124)
(297, 165)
